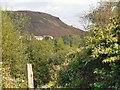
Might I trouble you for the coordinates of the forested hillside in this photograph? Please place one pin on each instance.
(66, 61)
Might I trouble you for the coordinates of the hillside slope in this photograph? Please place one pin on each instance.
(46, 24)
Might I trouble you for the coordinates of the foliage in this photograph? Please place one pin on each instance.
(98, 64)
(105, 10)
(59, 62)
(9, 81)
(38, 52)
(71, 40)
(104, 42)
(13, 52)
(47, 57)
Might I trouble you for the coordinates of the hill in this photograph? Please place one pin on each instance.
(46, 24)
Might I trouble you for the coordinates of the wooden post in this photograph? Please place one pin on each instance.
(30, 76)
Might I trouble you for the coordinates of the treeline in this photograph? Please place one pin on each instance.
(69, 61)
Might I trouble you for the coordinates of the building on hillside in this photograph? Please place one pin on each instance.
(39, 37)
(51, 37)
(42, 37)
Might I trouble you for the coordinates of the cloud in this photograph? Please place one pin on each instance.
(55, 2)
(66, 10)
(74, 2)
(17, 1)
(47, 4)
(52, 8)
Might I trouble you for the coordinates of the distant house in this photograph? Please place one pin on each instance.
(39, 37)
(51, 37)
(42, 37)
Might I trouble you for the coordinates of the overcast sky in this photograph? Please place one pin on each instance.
(68, 11)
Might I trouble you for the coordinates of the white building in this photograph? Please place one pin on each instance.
(42, 37)
(39, 37)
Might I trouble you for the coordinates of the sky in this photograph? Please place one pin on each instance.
(69, 11)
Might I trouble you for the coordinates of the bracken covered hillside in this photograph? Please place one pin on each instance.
(46, 24)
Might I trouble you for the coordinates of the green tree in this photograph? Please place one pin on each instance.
(13, 52)
(97, 64)
(104, 11)
(105, 47)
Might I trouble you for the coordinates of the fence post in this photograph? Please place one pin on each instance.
(30, 76)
